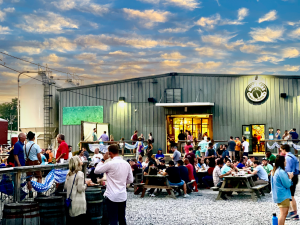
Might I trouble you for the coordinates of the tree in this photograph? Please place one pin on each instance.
(9, 111)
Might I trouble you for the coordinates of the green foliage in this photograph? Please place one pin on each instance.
(8, 111)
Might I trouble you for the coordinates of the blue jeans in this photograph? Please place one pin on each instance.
(206, 180)
(177, 184)
(116, 212)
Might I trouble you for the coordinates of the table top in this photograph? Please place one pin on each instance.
(158, 175)
(239, 177)
(201, 171)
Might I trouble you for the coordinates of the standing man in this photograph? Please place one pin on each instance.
(231, 148)
(245, 147)
(277, 135)
(104, 137)
(62, 153)
(203, 144)
(181, 137)
(210, 153)
(176, 154)
(19, 151)
(118, 175)
(32, 157)
(70, 152)
(238, 152)
(292, 166)
(294, 136)
(95, 134)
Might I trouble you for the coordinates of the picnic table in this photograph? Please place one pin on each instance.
(166, 184)
(242, 184)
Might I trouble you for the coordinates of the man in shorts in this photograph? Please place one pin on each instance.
(291, 167)
(32, 157)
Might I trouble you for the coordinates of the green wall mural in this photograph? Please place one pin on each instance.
(74, 115)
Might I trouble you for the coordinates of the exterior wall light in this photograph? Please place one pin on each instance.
(121, 101)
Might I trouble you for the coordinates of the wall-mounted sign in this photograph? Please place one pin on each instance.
(256, 91)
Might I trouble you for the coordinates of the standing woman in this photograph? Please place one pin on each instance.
(190, 137)
(281, 183)
(75, 175)
(286, 136)
(150, 138)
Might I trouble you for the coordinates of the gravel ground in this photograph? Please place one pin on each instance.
(239, 210)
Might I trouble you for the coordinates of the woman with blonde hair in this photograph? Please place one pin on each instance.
(286, 136)
(75, 187)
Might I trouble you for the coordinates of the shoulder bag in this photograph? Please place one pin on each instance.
(69, 200)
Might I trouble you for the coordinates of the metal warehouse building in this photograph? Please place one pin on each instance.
(221, 105)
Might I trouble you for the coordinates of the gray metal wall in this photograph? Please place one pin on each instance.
(231, 110)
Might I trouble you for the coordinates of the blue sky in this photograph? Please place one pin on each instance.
(110, 40)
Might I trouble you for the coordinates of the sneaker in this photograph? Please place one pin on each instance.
(152, 195)
(289, 216)
(295, 217)
(186, 195)
(30, 194)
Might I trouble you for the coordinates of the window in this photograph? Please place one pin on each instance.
(173, 95)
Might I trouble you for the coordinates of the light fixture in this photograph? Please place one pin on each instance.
(121, 101)
(256, 77)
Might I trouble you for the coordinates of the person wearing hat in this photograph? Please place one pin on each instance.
(267, 166)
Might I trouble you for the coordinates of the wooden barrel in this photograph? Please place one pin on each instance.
(21, 214)
(64, 196)
(52, 210)
(94, 200)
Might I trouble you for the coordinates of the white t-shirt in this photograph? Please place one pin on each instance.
(70, 155)
(246, 146)
(96, 157)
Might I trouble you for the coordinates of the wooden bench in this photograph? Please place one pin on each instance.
(260, 188)
(136, 185)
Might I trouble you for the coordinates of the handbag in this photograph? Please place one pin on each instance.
(69, 200)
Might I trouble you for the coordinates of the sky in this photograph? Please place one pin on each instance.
(105, 40)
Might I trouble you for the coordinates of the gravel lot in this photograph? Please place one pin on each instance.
(239, 210)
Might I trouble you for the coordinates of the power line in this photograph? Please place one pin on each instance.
(40, 65)
(69, 90)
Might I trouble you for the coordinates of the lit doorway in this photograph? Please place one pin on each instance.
(192, 123)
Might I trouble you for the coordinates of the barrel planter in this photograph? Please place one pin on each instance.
(64, 196)
(52, 210)
(94, 200)
(21, 214)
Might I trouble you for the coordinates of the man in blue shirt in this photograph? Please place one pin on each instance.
(294, 134)
(19, 151)
(225, 152)
(277, 135)
(291, 167)
(104, 137)
(261, 173)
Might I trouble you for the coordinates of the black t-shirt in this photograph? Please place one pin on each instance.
(219, 151)
(161, 167)
(191, 157)
(181, 137)
(174, 174)
(184, 173)
(153, 171)
(211, 152)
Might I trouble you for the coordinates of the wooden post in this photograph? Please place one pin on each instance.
(17, 186)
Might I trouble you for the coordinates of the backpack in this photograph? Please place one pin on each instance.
(297, 165)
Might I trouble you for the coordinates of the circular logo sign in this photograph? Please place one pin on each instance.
(256, 91)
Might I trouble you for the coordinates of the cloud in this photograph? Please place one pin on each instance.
(222, 40)
(291, 53)
(81, 5)
(9, 10)
(209, 22)
(294, 23)
(209, 65)
(188, 4)
(2, 16)
(150, 1)
(251, 48)
(4, 30)
(270, 16)
(29, 50)
(53, 60)
(127, 68)
(171, 63)
(46, 22)
(181, 29)
(266, 35)
(60, 44)
(291, 68)
(173, 55)
(271, 59)
(148, 17)
(295, 33)
(120, 52)
(241, 63)
(75, 69)
(211, 52)
(242, 13)
(86, 56)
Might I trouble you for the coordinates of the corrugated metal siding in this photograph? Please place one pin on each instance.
(231, 110)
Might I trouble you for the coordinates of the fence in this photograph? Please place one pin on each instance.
(13, 184)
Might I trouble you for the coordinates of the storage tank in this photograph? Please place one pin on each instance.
(3, 131)
(32, 106)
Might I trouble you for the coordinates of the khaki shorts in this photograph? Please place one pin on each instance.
(202, 154)
(284, 204)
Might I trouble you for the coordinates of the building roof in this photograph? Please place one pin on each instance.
(3, 120)
(175, 74)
